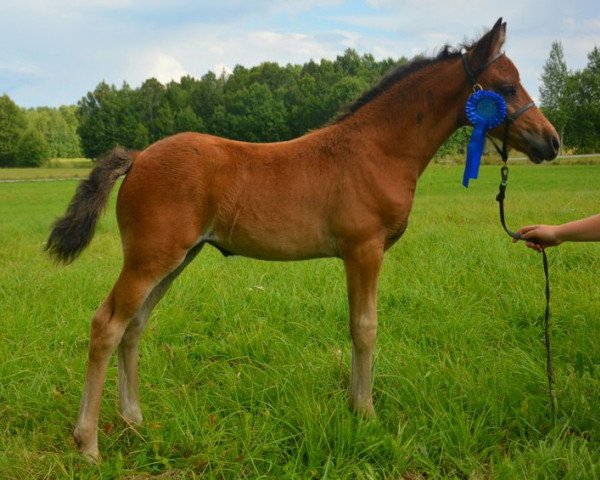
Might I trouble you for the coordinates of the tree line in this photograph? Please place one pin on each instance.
(571, 99)
(30, 137)
(264, 103)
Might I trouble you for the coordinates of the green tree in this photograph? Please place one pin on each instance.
(177, 94)
(205, 97)
(164, 122)
(97, 113)
(139, 137)
(59, 128)
(457, 143)
(71, 144)
(32, 149)
(219, 122)
(187, 121)
(255, 116)
(12, 124)
(307, 110)
(591, 90)
(554, 89)
(343, 92)
(583, 128)
(152, 107)
(267, 102)
(109, 117)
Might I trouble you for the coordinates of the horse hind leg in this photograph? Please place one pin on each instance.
(134, 286)
(107, 327)
(129, 399)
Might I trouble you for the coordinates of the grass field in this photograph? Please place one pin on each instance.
(58, 168)
(245, 364)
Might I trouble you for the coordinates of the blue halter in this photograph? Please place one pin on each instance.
(485, 110)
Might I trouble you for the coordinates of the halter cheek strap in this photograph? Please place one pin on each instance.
(510, 119)
(472, 75)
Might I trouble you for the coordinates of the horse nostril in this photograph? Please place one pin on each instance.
(555, 142)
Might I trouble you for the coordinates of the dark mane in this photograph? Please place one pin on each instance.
(395, 75)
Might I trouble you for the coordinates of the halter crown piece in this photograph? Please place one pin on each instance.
(485, 110)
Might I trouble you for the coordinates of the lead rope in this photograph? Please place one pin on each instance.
(500, 199)
(503, 152)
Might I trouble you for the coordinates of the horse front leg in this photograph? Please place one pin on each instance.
(362, 273)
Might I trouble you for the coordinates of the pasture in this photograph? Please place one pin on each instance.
(245, 364)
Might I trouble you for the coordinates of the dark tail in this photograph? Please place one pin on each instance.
(74, 231)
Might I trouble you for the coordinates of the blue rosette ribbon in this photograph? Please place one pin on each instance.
(485, 110)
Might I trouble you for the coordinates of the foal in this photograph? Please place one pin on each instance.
(343, 191)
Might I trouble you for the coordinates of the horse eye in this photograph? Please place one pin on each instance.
(507, 90)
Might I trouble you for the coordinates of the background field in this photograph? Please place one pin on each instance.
(245, 364)
(58, 168)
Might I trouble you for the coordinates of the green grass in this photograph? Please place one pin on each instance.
(245, 364)
(43, 173)
(70, 163)
(57, 168)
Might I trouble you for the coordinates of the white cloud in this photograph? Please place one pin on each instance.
(222, 69)
(19, 68)
(161, 66)
(53, 52)
(203, 47)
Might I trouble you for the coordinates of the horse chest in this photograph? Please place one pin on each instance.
(395, 218)
(394, 235)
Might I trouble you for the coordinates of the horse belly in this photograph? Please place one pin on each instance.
(267, 239)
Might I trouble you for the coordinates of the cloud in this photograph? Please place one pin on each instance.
(159, 65)
(19, 68)
(222, 69)
(54, 52)
(197, 49)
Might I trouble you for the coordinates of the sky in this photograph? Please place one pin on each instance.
(52, 52)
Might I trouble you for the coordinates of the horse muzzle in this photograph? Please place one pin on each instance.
(542, 147)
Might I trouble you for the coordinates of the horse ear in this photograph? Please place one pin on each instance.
(489, 45)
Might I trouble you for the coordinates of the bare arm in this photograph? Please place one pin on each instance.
(541, 236)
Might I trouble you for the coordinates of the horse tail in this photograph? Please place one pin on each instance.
(73, 232)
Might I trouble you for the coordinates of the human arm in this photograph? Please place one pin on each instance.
(539, 237)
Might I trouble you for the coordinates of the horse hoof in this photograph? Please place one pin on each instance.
(133, 417)
(369, 412)
(365, 410)
(93, 456)
(88, 449)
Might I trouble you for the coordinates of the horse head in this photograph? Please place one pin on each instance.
(530, 131)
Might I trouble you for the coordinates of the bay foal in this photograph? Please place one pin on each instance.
(343, 191)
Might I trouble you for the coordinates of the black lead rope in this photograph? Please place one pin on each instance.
(503, 152)
(549, 370)
(500, 199)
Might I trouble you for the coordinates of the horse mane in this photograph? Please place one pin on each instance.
(397, 74)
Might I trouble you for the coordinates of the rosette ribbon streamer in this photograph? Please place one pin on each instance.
(485, 110)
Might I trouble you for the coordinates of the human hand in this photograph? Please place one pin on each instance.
(538, 237)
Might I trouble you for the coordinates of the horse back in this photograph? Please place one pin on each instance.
(271, 201)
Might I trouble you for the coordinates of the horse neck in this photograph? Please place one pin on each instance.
(413, 118)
